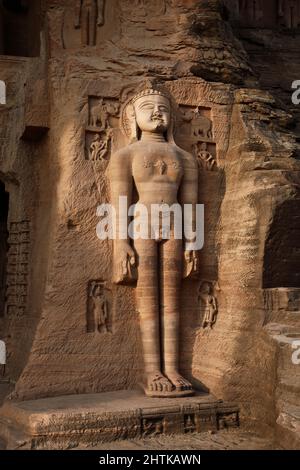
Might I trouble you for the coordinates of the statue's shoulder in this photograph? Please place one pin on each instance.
(124, 154)
(188, 159)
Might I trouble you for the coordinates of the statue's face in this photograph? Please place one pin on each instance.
(153, 113)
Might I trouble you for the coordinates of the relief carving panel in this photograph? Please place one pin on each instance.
(18, 268)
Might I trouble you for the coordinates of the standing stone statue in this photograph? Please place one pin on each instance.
(162, 173)
(89, 15)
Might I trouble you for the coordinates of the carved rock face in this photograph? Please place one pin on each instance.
(153, 113)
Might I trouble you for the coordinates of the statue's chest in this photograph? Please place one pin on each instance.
(149, 165)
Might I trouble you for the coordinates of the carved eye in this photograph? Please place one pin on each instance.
(147, 106)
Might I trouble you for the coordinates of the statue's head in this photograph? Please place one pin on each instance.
(206, 288)
(150, 110)
(97, 289)
(152, 113)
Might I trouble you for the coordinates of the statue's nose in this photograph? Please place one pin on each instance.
(157, 112)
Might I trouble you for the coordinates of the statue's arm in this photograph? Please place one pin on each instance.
(100, 6)
(188, 194)
(121, 183)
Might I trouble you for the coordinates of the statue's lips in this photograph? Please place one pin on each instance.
(158, 122)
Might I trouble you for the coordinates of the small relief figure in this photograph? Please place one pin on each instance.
(289, 13)
(99, 148)
(98, 308)
(153, 428)
(189, 424)
(101, 112)
(89, 15)
(202, 126)
(210, 304)
(100, 115)
(205, 159)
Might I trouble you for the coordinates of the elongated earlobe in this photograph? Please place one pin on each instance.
(130, 112)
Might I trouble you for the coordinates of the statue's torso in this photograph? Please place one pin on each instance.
(157, 170)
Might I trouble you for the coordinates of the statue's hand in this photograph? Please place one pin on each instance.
(124, 262)
(190, 263)
(100, 20)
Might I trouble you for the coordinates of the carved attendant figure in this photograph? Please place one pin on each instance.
(205, 159)
(210, 304)
(162, 173)
(100, 309)
(89, 14)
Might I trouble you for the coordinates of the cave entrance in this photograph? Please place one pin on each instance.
(4, 206)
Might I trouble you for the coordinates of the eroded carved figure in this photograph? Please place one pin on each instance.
(201, 125)
(210, 304)
(206, 160)
(162, 173)
(100, 307)
(99, 115)
(89, 15)
(99, 147)
(153, 427)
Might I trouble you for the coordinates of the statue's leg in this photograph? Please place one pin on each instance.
(92, 25)
(170, 282)
(84, 28)
(148, 306)
(101, 6)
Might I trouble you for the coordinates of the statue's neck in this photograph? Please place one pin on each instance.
(152, 137)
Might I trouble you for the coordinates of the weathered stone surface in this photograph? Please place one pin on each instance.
(210, 60)
(66, 422)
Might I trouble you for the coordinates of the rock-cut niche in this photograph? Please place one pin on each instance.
(20, 28)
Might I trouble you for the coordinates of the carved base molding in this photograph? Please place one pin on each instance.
(69, 421)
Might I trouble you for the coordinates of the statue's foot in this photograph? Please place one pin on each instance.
(180, 383)
(156, 382)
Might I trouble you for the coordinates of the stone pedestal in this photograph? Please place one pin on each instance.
(69, 421)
